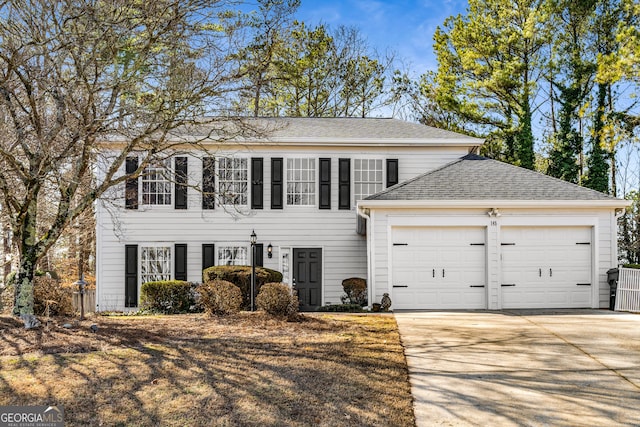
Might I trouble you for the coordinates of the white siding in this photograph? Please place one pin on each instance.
(344, 251)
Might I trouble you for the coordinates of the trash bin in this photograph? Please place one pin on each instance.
(612, 278)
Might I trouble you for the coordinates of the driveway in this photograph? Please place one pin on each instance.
(514, 368)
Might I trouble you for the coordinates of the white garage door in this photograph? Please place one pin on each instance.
(439, 268)
(546, 267)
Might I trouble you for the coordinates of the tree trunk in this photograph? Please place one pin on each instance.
(7, 252)
(28, 257)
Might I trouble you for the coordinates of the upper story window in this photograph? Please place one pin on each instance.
(233, 178)
(301, 182)
(232, 255)
(367, 177)
(156, 185)
(155, 263)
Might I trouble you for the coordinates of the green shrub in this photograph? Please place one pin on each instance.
(631, 265)
(342, 308)
(220, 297)
(168, 297)
(49, 291)
(240, 275)
(277, 299)
(355, 289)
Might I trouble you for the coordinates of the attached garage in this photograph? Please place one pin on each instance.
(439, 268)
(546, 267)
(481, 234)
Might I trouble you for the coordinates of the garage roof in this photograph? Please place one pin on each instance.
(474, 177)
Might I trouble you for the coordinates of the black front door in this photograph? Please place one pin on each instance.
(307, 274)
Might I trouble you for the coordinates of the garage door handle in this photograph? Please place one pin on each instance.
(583, 284)
(434, 272)
(476, 286)
(400, 286)
(504, 285)
(443, 272)
(550, 273)
(540, 272)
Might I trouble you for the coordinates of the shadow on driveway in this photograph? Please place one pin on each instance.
(523, 367)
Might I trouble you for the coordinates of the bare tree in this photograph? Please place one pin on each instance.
(78, 74)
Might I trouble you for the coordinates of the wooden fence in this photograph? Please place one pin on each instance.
(89, 301)
(628, 293)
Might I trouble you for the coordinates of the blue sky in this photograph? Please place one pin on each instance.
(404, 26)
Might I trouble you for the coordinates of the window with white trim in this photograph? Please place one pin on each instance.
(301, 182)
(367, 177)
(155, 263)
(233, 181)
(156, 185)
(232, 255)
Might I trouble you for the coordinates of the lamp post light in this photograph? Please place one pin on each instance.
(253, 240)
(81, 284)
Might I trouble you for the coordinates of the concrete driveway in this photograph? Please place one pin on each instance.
(514, 368)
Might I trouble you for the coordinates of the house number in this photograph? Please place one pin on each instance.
(494, 223)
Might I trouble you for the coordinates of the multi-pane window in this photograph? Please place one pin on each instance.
(367, 177)
(155, 263)
(156, 185)
(301, 182)
(233, 181)
(232, 255)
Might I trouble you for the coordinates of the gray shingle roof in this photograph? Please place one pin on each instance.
(325, 128)
(385, 128)
(475, 177)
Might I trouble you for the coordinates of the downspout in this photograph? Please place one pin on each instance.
(369, 238)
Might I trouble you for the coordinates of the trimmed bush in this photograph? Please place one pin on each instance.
(277, 299)
(168, 297)
(49, 291)
(240, 275)
(355, 289)
(220, 297)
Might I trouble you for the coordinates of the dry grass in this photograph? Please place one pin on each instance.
(244, 370)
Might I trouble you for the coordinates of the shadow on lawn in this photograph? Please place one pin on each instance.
(210, 373)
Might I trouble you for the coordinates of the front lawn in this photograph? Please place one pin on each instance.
(249, 369)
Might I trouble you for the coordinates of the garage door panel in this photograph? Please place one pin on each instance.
(442, 264)
(546, 264)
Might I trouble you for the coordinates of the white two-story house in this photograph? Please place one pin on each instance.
(299, 187)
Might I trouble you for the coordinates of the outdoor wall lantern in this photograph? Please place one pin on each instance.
(269, 251)
(494, 212)
(253, 239)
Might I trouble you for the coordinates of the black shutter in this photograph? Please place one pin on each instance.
(131, 275)
(325, 183)
(259, 254)
(181, 183)
(208, 255)
(257, 185)
(180, 272)
(277, 190)
(392, 172)
(344, 183)
(208, 183)
(131, 186)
